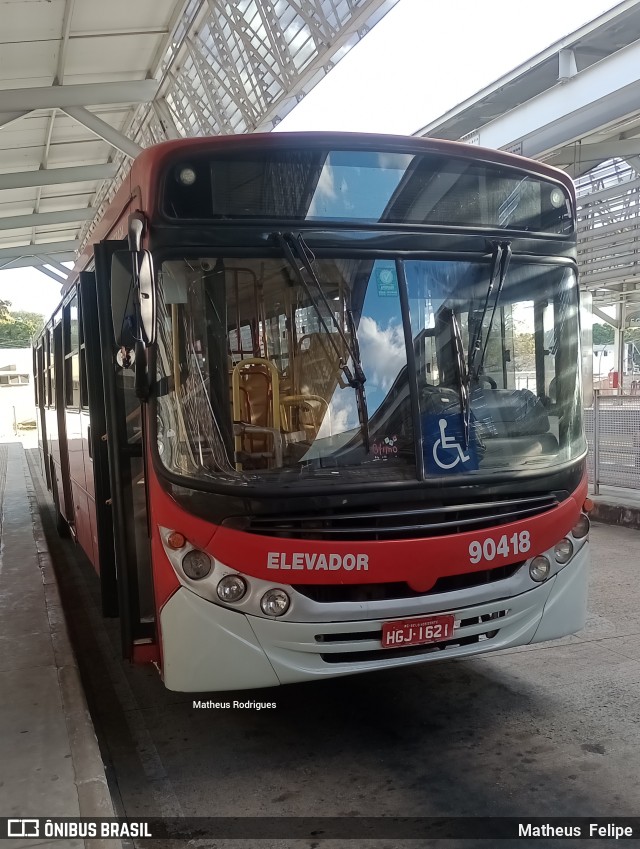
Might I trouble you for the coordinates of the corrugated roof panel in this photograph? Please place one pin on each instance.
(244, 61)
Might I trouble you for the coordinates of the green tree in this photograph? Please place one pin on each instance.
(524, 351)
(602, 334)
(17, 329)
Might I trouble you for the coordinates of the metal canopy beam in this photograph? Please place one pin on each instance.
(57, 176)
(35, 261)
(7, 118)
(608, 319)
(43, 270)
(55, 265)
(581, 36)
(585, 156)
(48, 248)
(64, 42)
(104, 130)
(602, 94)
(61, 96)
(37, 219)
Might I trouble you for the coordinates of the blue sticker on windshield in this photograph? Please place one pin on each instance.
(445, 451)
(387, 281)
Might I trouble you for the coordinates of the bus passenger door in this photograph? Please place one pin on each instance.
(98, 456)
(125, 438)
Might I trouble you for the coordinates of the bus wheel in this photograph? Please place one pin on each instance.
(62, 526)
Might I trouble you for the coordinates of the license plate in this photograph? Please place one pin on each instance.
(417, 632)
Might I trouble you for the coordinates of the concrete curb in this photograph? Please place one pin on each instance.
(615, 514)
(94, 798)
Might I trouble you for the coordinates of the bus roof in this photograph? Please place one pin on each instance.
(138, 191)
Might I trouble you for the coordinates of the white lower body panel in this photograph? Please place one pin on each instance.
(208, 647)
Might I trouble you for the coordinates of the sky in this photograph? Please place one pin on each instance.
(422, 59)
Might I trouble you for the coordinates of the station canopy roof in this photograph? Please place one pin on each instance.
(576, 105)
(85, 84)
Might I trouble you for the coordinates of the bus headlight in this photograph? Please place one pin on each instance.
(196, 564)
(275, 602)
(563, 551)
(231, 588)
(187, 176)
(581, 528)
(539, 568)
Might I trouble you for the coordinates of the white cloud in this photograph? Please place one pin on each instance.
(382, 352)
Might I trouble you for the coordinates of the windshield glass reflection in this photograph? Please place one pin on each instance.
(251, 370)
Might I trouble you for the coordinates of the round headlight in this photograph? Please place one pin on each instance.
(231, 588)
(581, 528)
(539, 568)
(187, 176)
(557, 198)
(274, 602)
(563, 551)
(196, 564)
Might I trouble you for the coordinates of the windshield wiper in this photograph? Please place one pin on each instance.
(500, 260)
(463, 379)
(300, 258)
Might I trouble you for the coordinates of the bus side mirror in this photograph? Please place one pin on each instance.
(127, 269)
(123, 312)
(147, 298)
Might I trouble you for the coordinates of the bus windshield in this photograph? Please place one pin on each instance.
(250, 370)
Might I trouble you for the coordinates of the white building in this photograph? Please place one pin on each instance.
(17, 405)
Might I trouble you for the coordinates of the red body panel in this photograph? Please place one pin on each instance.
(418, 562)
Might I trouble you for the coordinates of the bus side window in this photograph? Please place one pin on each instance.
(84, 392)
(71, 354)
(36, 375)
(51, 376)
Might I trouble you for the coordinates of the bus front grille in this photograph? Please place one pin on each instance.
(401, 522)
(332, 593)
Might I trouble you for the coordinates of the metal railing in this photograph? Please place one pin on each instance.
(613, 434)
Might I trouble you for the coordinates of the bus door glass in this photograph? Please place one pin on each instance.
(42, 423)
(125, 439)
(96, 455)
(64, 494)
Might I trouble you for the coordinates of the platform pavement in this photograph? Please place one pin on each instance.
(50, 762)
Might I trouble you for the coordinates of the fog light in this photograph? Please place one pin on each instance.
(196, 564)
(275, 603)
(176, 540)
(231, 588)
(539, 568)
(563, 551)
(582, 526)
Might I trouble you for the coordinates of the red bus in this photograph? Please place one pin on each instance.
(311, 405)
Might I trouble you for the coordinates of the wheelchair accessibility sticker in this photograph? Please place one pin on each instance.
(445, 451)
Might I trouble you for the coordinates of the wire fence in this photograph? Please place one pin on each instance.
(612, 427)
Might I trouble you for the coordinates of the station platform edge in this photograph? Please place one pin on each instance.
(50, 761)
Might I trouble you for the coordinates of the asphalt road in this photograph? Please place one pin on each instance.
(551, 730)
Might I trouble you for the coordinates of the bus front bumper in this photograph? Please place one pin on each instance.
(207, 647)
